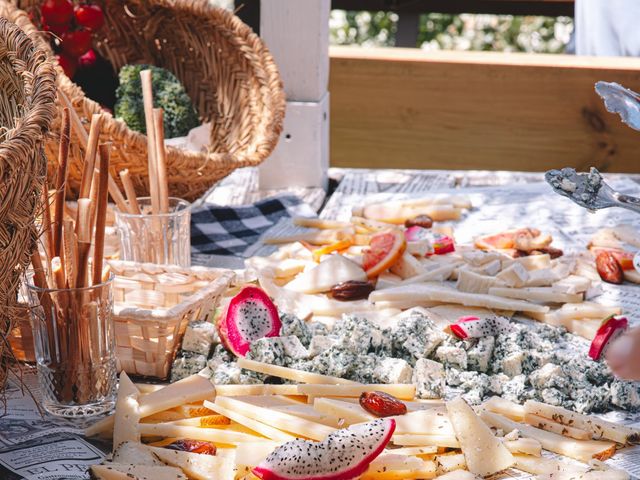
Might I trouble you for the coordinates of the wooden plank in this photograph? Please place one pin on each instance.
(406, 108)
(512, 7)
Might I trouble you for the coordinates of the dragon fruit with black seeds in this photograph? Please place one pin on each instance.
(610, 329)
(343, 455)
(474, 327)
(251, 315)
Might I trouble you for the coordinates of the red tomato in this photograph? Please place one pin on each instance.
(57, 12)
(89, 16)
(76, 43)
(89, 59)
(68, 64)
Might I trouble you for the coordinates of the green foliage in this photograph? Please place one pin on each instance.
(436, 31)
(168, 93)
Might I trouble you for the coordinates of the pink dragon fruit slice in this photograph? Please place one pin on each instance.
(343, 455)
(474, 327)
(251, 315)
(416, 234)
(610, 329)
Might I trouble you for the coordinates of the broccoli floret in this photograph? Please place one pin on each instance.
(168, 93)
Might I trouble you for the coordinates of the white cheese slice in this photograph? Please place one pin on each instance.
(136, 472)
(472, 282)
(536, 294)
(285, 421)
(197, 466)
(290, 373)
(433, 292)
(459, 475)
(258, 427)
(582, 450)
(526, 446)
(572, 284)
(450, 463)
(414, 440)
(596, 426)
(257, 389)
(505, 407)
(559, 428)
(484, 453)
(331, 271)
(515, 275)
(402, 391)
(217, 435)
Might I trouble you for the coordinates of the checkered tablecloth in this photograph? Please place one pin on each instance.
(217, 230)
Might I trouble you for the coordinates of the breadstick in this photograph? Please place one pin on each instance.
(147, 96)
(161, 160)
(101, 216)
(61, 182)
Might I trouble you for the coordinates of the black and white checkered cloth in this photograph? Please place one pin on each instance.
(217, 230)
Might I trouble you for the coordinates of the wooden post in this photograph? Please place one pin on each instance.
(297, 34)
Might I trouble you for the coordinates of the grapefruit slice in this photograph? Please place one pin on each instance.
(504, 240)
(385, 249)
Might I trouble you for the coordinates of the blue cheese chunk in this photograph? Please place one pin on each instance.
(553, 396)
(512, 364)
(293, 348)
(496, 383)
(451, 355)
(548, 376)
(479, 356)
(514, 389)
(625, 394)
(267, 350)
(358, 334)
(321, 343)
(292, 325)
(393, 370)
(227, 374)
(199, 337)
(336, 362)
(415, 336)
(428, 377)
(187, 364)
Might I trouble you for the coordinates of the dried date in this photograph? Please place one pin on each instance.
(193, 446)
(382, 404)
(352, 290)
(609, 269)
(424, 221)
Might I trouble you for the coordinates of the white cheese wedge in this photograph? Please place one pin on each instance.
(484, 453)
(554, 469)
(127, 414)
(459, 475)
(407, 266)
(434, 421)
(450, 463)
(526, 446)
(551, 426)
(440, 273)
(596, 426)
(515, 275)
(390, 466)
(533, 262)
(134, 453)
(413, 440)
(197, 466)
(290, 373)
(472, 282)
(505, 407)
(258, 427)
(345, 413)
(188, 390)
(572, 284)
(331, 271)
(582, 450)
(118, 471)
(386, 280)
(289, 423)
(308, 413)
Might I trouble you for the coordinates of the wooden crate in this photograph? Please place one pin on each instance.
(153, 305)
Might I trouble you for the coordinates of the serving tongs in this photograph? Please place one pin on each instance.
(589, 190)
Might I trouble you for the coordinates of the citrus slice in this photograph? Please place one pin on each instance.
(503, 240)
(385, 249)
(334, 247)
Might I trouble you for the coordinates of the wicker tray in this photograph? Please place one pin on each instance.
(227, 71)
(153, 305)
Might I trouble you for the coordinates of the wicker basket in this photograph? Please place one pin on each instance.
(153, 306)
(27, 96)
(226, 69)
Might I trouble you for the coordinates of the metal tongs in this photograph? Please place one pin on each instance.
(589, 190)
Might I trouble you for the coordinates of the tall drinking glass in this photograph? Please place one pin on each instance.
(74, 342)
(163, 238)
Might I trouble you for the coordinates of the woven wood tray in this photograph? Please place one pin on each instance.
(153, 305)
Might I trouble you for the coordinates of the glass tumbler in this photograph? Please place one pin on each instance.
(163, 238)
(74, 342)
